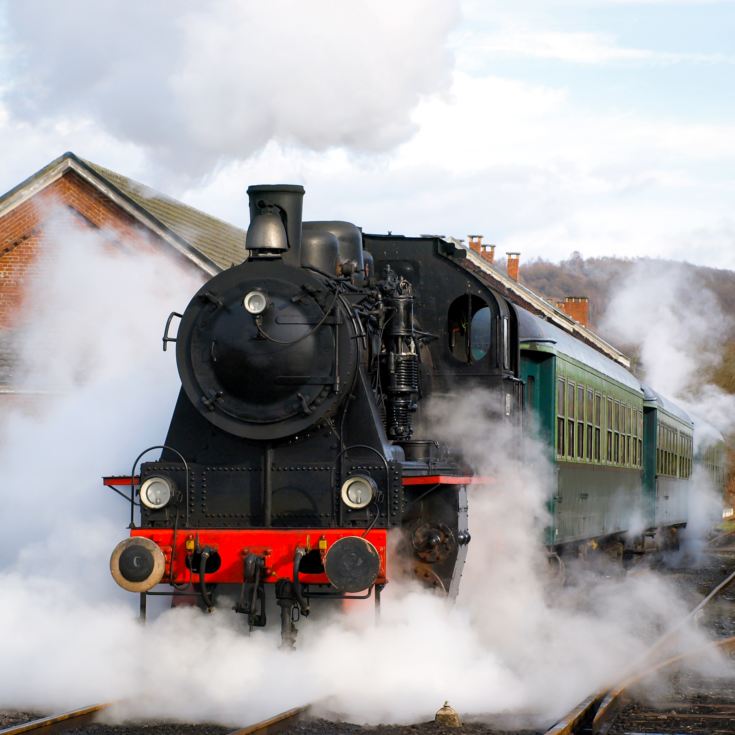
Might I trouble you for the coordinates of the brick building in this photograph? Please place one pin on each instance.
(131, 215)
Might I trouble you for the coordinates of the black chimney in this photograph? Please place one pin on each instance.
(268, 203)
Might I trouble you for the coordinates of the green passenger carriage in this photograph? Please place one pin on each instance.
(622, 453)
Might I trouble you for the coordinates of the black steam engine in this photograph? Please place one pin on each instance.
(292, 451)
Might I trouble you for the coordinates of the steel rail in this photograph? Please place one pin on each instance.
(608, 707)
(596, 713)
(87, 715)
(714, 541)
(52, 723)
(272, 724)
(582, 717)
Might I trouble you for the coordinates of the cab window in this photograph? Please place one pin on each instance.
(469, 328)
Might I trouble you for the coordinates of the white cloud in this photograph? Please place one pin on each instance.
(217, 82)
(576, 47)
(531, 164)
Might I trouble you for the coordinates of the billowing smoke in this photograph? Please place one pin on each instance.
(495, 653)
(673, 320)
(100, 390)
(219, 80)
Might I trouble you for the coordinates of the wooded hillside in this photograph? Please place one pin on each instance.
(597, 278)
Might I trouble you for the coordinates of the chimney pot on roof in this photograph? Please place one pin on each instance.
(577, 307)
(475, 242)
(513, 264)
(488, 252)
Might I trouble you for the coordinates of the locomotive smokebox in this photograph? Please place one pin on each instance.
(275, 222)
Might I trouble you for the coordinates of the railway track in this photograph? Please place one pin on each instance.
(596, 715)
(87, 718)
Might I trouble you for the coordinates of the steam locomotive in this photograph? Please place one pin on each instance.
(292, 451)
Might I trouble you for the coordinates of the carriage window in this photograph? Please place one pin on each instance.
(589, 442)
(681, 455)
(588, 407)
(570, 400)
(570, 419)
(580, 439)
(580, 401)
(570, 437)
(560, 393)
(469, 328)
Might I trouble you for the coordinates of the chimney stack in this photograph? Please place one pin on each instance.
(475, 242)
(275, 221)
(513, 264)
(577, 307)
(488, 252)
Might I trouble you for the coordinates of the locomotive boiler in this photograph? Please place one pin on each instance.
(293, 452)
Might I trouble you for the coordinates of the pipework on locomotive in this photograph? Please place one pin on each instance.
(292, 451)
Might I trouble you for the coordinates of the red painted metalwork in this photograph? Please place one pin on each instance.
(278, 546)
(115, 480)
(448, 480)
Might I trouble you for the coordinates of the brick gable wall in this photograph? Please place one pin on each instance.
(27, 231)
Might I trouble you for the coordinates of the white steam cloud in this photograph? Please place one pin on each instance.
(676, 323)
(219, 80)
(496, 653)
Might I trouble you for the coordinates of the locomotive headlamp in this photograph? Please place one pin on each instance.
(255, 302)
(156, 492)
(358, 491)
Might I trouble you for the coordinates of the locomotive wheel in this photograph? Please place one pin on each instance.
(425, 574)
(433, 542)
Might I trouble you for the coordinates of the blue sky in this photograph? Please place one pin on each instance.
(604, 126)
(685, 64)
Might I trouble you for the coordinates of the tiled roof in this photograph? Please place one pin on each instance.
(209, 242)
(218, 240)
